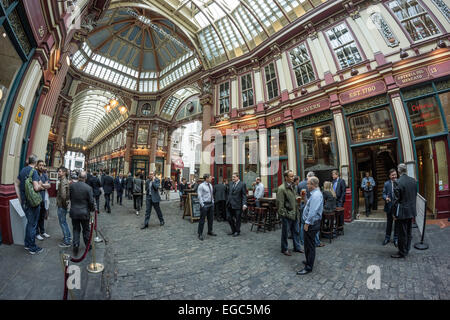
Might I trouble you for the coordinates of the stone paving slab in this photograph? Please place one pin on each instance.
(169, 262)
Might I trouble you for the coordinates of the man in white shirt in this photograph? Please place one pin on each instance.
(205, 197)
(259, 192)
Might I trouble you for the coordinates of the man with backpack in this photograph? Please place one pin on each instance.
(138, 186)
(27, 185)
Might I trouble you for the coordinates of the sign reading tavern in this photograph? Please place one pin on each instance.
(310, 108)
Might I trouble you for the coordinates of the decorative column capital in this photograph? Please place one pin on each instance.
(312, 32)
(352, 10)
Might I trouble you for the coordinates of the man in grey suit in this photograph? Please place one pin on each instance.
(81, 204)
(220, 197)
(152, 200)
(405, 190)
(236, 203)
(108, 189)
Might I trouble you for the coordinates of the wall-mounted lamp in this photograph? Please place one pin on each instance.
(354, 72)
(441, 44)
(403, 54)
(303, 91)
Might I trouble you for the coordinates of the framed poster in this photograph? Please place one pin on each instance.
(142, 135)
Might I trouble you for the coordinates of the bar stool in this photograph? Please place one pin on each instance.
(339, 220)
(251, 209)
(260, 219)
(327, 224)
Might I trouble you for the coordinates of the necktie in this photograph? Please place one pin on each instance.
(210, 191)
(334, 185)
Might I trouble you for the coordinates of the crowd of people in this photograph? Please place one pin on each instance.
(300, 204)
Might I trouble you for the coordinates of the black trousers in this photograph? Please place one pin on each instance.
(148, 211)
(206, 211)
(234, 219)
(107, 201)
(310, 245)
(129, 194)
(389, 222)
(404, 235)
(77, 224)
(137, 201)
(41, 222)
(119, 196)
(220, 210)
(97, 202)
(368, 198)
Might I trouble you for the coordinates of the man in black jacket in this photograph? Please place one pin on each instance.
(236, 203)
(95, 184)
(81, 204)
(108, 188)
(220, 197)
(339, 188)
(405, 194)
(130, 186)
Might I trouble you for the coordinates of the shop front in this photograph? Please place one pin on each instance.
(223, 156)
(139, 163)
(248, 144)
(159, 167)
(428, 111)
(277, 156)
(374, 148)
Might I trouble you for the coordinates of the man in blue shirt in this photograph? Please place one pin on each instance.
(32, 213)
(312, 215)
(206, 199)
(367, 185)
(259, 192)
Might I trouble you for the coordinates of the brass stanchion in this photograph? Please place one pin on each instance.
(97, 238)
(94, 267)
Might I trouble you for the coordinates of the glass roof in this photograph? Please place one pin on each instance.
(137, 50)
(175, 100)
(88, 120)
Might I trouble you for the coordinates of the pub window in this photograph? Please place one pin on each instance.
(445, 103)
(425, 116)
(414, 19)
(247, 90)
(271, 81)
(278, 148)
(373, 125)
(344, 46)
(318, 148)
(302, 65)
(224, 97)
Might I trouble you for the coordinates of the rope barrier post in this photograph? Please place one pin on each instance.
(97, 238)
(94, 267)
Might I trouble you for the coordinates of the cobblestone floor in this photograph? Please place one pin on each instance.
(169, 262)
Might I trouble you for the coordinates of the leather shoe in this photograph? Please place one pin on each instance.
(287, 253)
(212, 234)
(396, 243)
(385, 242)
(161, 223)
(200, 237)
(300, 251)
(144, 227)
(396, 256)
(235, 234)
(230, 233)
(303, 272)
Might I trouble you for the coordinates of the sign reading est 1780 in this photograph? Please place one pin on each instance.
(363, 92)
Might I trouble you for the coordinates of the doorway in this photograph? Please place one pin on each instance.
(223, 172)
(376, 159)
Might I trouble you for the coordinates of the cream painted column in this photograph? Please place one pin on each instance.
(168, 168)
(153, 144)
(128, 146)
(367, 33)
(234, 90)
(344, 165)
(205, 161)
(286, 71)
(259, 93)
(405, 134)
(235, 147)
(282, 75)
(263, 158)
(290, 136)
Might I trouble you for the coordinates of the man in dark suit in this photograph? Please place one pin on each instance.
(405, 193)
(81, 204)
(389, 197)
(152, 199)
(236, 203)
(130, 186)
(119, 186)
(95, 184)
(220, 197)
(108, 188)
(339, 188)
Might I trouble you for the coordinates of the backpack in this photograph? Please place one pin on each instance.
(33, 198)
(137, 185)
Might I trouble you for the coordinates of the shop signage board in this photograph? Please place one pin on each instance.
(363, 92)
(310, 108)
(248, 126)
(432, 71)
(275, 119)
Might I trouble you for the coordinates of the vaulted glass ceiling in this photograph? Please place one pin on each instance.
(175, 100)
(137, 50)
(88, 120)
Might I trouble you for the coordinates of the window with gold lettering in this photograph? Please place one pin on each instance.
(425, 116)
(318, 148)
(414, 19)
(373, 125)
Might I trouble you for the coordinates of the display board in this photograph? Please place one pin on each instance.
(194, 206)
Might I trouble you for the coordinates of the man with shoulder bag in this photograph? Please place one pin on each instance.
(289, 213)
